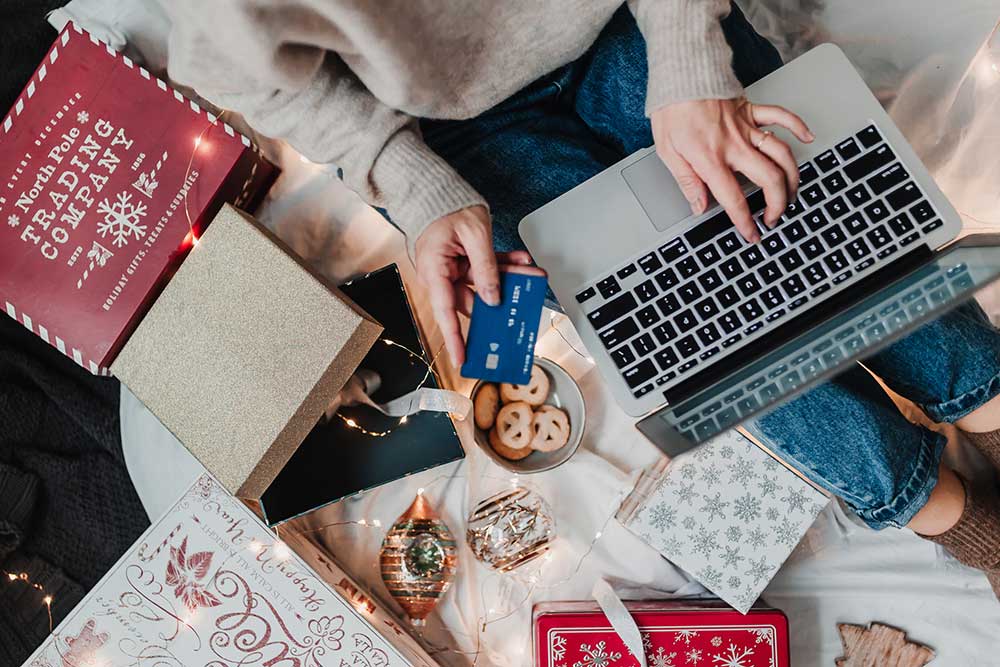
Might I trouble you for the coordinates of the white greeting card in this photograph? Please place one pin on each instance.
(209, 586)
(729, 514)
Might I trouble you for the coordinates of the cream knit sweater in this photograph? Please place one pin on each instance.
(344, 80)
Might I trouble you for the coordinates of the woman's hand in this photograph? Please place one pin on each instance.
(454, 258)
(703, 142)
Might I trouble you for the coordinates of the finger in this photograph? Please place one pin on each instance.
(515, 257)
(781, 155)
(525, 270)
(478, 244)
(722, 182)
(464, 299)
(769, 114)
(764, 172)
(442, 296)
(687, 178)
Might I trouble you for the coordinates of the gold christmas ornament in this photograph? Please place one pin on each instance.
(418, 560)
(510, 529)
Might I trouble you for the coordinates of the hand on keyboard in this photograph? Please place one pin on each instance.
(703, 142)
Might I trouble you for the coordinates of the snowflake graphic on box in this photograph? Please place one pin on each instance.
(733, 657)
(693, 656)
(662, 516)
(558, 647)
(598, 656)
(661, 658)
(122, 219)
(685, 636)
(82, 117)
(13, 220)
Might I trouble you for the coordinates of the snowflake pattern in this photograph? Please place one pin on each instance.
(743, 471)
(661, 658)
(727, 452)
(689, 471)
(788, 533)
(759, 569)
(714, 506)
(756, 538)
(83, 117)
(662, 516)
(686, 493)
(598, 656)
(733, 657)
(732, 557)
(763, 635)
(735, 582)
(711, 475)
(796, 500)
(121, 219)
(705, 542)
(685, 636)
(711, 577)
(746, 508)
(689, 523)
(13, 220)
(768, 486)
(772, 514)
(716, 641)
(558, 647)
(734, 534)
(693, 656)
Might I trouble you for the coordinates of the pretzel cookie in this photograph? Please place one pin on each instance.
(508, 453)
(534, 393)
(486, 406)
(514, 425)
(550, 427)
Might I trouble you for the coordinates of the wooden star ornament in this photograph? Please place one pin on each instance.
(880, 646)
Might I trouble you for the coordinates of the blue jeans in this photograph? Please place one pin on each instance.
(846, 435)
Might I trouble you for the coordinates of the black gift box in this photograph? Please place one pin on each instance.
(336, 461)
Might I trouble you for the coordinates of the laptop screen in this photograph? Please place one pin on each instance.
(821, 352)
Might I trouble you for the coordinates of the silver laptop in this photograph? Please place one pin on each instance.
(693, 328)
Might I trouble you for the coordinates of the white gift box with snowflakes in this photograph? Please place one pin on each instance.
(726, 512)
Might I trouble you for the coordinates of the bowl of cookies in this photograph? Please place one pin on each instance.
(530, 427)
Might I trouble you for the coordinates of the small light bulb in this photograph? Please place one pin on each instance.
(281, 550)
(420, 491)
(598, 536)
(376, 523)
(12, 577)
(362, 522)
(197, 142)
(47, 599)
(403, 420)
(352, 423)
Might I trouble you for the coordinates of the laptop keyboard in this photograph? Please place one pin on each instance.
(666, 315)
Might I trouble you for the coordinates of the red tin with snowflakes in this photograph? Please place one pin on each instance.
(675, 634)
(107, 178)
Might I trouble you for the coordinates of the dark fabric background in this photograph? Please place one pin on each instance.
(25, 36)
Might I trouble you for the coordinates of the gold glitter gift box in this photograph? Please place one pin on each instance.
(242, 352)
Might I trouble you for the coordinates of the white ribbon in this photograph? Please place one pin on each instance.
(620, 618)
(365, 382)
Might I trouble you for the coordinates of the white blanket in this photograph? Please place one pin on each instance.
(916, 54)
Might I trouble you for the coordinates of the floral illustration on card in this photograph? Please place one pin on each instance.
(83, 649)
(186, 573)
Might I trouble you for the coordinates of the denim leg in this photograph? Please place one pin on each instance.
(949, 367)
(848, 436)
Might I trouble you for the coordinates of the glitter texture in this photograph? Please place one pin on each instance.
(243, 351)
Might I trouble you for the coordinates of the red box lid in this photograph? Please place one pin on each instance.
(675, 634)
(107, 177)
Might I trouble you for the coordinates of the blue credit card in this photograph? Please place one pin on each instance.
(501, 340)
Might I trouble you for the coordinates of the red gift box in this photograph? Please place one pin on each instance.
(107, 178)
(674, 634)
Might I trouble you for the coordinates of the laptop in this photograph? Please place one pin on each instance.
(694, 329)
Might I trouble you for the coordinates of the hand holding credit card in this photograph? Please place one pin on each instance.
(501, 341)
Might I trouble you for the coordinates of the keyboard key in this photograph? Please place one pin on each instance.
(798, 302)
(689, 292)
(807, 173)
(708, 334)
(708, 255)
(639, 374)
(815, 273)
(666, 279)
(834, 183)
(793, 285)
(902, 197)
(751, 310)
(648, 316)
(711, 352)
(773, 244)
(812, 248)
(623, 356)
(931, 226)
(586, 294)
(687, 267)
(847, 149)
(706, 308)
(793, 210)
(626, 271)
(643, 345)
(869, 163)
(834, 236)
(709, 280)
(813, 195)
(878, 237)
(887, 179)
(865, 264)
(819, 290)
(642, 391)
(835, 261)
(727, 296)
(827, 161)
(876, 211)
(749, 284)
(900, 224)
(858, 249)
(730, 243)
(775, 315)
(753, 328)
(731, 268)
(650, 263)
(859, 195)
(612, 310)
(619, 333)
(664, 333)
(669, 305)
(772, 297)
(756, 202)
(685, 321)
(732, 340)
(816, 220)
(646, 291)
(836, 208)
(730, 322)
(708, 230)
(841, 277)
(791, 261)
(922, 212)
(769, 272)
(794, 231)
(609, 287)
(869, 136)
(688, 347)
(687, 365)
(752, 256)
(855, 223)
(666, 358)
(673, 250)
(885, 252)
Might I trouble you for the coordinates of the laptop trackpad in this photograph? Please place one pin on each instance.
(655, 188)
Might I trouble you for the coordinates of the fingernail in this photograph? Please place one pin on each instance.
(493, 295)
(755, 237)
(809, 135)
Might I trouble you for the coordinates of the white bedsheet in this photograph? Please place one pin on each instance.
(916, 54)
